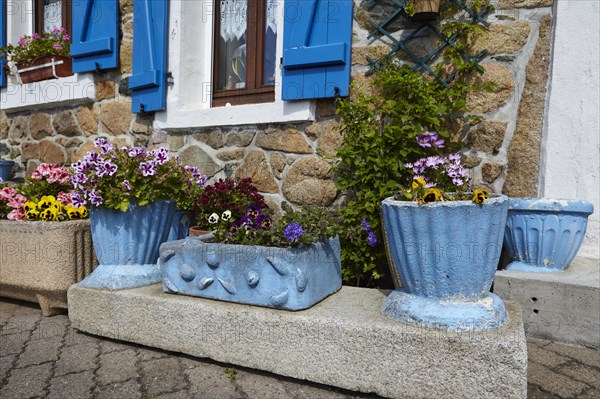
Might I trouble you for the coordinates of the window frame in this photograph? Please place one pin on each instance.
(255, 91)
(38, 7)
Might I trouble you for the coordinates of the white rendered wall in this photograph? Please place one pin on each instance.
(571, 146)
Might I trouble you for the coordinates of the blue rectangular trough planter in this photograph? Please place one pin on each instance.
(283, 278)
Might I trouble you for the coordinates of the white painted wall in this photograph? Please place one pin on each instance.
(571, 143)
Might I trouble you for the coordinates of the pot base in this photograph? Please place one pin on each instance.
(118, 277)
(526, 267)
(453, 315)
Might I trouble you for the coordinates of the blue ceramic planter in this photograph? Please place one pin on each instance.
(283, 278)
(544, 234)
(6, 169)
(182, 221)
(127, 244)
(446, 255)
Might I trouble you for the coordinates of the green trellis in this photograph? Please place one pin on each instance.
(423, 64)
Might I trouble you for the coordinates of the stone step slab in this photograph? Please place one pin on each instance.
(344, 341)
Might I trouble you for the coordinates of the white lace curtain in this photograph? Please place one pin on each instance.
(233, 18)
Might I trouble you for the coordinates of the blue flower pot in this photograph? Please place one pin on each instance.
(182, 221)
(282, 278)
(6, 169)
(446, 255)
(127, 244)
(544, 234)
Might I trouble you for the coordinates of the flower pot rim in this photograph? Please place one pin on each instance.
(132, 204)
(273, 248)
(493, 199)
(6, 162)
(550, 205)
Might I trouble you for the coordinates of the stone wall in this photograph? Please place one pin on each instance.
(291, 162)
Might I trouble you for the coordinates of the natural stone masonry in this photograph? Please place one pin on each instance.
(502, 39)
(343, 341)
(524, 151)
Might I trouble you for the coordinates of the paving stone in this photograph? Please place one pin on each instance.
(149, 354)
(110, 345)
(173, 395)
(210, 382)
(27, 382)
(117, 366)
(301, 390)
(24, 322)
(591, 393)
(6, 364)
(13, 343)
(72, 386)
(162, 375)
(77, 358)
(123, 390)
(51, 329)
(75, 337)
(552, 382)
(189, 362)
(581, 372)
(543, 356)
(588, 356)
(534, 392)
(38, 352)
(260, 386)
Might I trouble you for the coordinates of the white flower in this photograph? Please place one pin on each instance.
(214, 218)
(226, 216)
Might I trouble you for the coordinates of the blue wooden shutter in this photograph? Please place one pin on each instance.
(317, 41)
(95, 35)
(2, 41)
(148, 82)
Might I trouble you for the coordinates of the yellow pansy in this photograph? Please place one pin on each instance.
(72, 212)
(432, 195)
(32, 214)
(418, 182)
(83, 212)
(30, 206)
(46, 202)
(49, 214)
(479, 196)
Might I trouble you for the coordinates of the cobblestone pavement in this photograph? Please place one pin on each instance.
(46, 358)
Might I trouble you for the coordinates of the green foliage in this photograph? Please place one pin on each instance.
(231, 373)
(32, 47)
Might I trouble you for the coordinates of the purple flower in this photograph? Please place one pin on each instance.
(57, 46)
(35, 36)
(264, 222)
(366, 226)
(438, 142)
(372, 239)
(104, 145)
(78, 180)
(424, 140)
(253, 211)
(457, 182)
(22, 42)
(1, 180)
(148, 168)
(66, 38)
(93, 158)
(136, 152)
(95, 198)
(454, 157)
(293, 231)
(77, 201)
(161, 155)
(127, 185)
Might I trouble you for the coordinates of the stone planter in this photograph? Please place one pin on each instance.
(39, 261)
(446, 255)
(544, 234)
(6, 169)
(283, 278)
(127, 244)
(44, 68)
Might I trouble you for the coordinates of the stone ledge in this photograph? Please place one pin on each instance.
(344, 341)
(557, 306)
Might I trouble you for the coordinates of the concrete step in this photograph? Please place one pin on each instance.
(344, 341)
(557, 306)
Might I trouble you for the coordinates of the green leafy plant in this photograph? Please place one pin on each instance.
(114, 177)
(29, 48)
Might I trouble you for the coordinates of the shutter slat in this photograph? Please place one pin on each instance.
(148, 82)
(95, 35)
(3, 35)
(317, 40)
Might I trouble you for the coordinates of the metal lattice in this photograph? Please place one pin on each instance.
(423, 64)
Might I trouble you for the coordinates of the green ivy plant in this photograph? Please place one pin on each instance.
(379, 138)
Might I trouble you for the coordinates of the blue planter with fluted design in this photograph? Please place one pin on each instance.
(127, 244)
(445, 254)
(544, 234)
(6, 169)
(180, 226)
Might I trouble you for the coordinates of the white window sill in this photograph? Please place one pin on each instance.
(249, 114)
(75, 89)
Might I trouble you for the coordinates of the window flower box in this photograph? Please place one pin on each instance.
(44, 68)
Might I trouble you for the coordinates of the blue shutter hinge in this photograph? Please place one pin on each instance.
(336, 91)
(141, 107)
(170, 79)
(97, 66)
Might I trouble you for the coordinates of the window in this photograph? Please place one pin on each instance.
(245, 51)
(52, 14)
